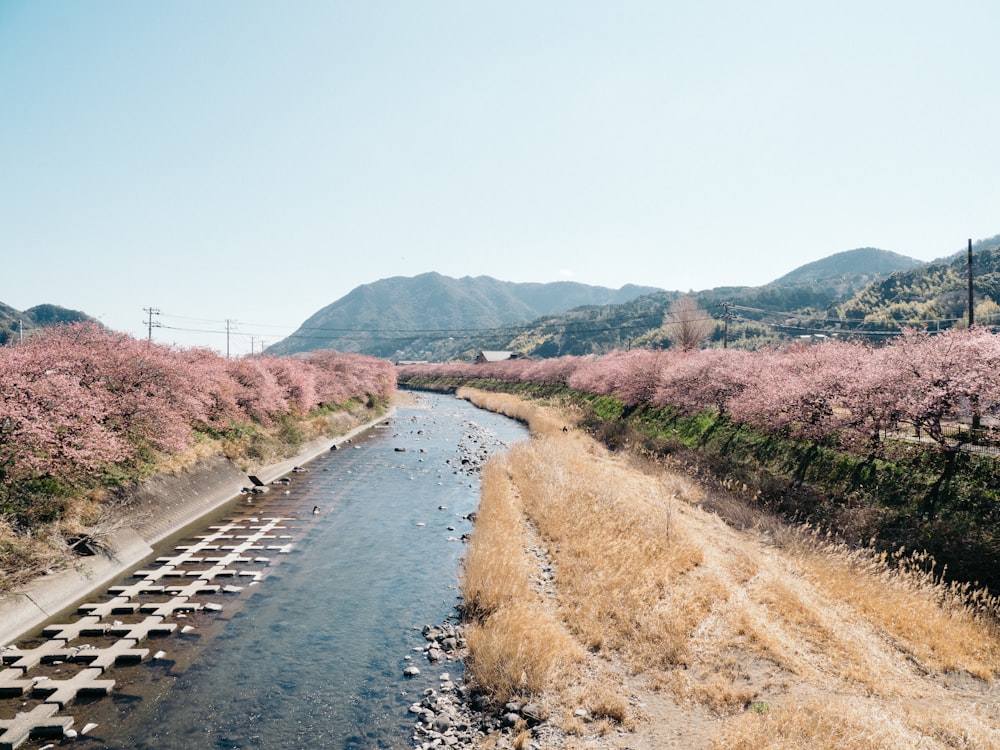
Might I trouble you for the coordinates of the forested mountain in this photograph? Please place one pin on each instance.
(788, 306)
(932, 296)
(15, 324)
(434, 317)
(431, 316)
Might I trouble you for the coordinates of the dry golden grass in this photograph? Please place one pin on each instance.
(540, 421)
(199, 449)
(516, 646)
(854, 724)
(781, 639)
(496, 571)
(610, 534)
(923, 617)
(518, 652)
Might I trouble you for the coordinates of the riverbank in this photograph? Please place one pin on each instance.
(155, 510)
(634, 607)
(943, 507)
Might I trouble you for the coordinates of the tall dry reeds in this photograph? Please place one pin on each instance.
(517, 645)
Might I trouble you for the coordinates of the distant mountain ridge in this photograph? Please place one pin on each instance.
(436, 317)
(864, 261)
(757, 315)
(14, 323)
(425, 316)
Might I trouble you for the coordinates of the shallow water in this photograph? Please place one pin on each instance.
(312, 656)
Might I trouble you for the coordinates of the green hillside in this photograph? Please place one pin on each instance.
(794, 305)
(932, 296)
(15, 324)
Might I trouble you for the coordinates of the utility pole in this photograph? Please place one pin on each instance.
(972, 309)
(151, 311)
(977, 417)
(229, 325)
(725, 324)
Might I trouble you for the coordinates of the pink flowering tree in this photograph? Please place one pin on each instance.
(79, 401)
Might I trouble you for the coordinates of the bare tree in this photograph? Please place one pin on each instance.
(687, 324)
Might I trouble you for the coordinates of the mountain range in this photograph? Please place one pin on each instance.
(434, 317)
(866, 291)
(430, 316)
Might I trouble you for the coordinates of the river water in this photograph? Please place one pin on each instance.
(312, 656)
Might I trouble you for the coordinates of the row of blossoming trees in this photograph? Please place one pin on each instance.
(848, 392)
(78, 400)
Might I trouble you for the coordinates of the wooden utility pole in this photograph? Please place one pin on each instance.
(229, 328)
(972, 307)
(977, 417)
(725, 324)
(152, 311)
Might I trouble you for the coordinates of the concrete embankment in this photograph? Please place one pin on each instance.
(160, 507)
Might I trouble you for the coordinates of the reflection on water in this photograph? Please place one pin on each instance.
(312, 656)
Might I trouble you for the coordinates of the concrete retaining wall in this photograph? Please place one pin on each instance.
(161, 506)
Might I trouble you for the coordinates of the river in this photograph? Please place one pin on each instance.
(312, 654)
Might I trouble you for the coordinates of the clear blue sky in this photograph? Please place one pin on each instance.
(255, 161)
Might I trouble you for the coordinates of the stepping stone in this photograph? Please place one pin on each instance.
(154, 574)
(85, 682)
(197, 547)
(121, 651)
(146, 586)
(193, 589)
(117, 606)
(167, 608)
(26, 658)
(85, 626)
(176, 560)
(39, 722)
(138, 631)
(233, 557)
(13, 683)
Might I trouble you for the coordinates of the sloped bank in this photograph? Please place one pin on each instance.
(158, 508)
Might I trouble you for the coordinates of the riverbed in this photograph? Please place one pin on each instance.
(311, 652)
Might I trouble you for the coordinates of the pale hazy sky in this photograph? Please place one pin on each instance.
(255, 161)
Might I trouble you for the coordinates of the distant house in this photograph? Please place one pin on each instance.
(484, 357)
